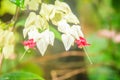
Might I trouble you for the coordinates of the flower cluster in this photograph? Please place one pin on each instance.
(7, 39)
(60, 15)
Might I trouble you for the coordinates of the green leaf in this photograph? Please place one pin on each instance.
(57, 34)
(32, 67)
(7, 7)
(105, 73)
(20, 75)
(19, 3)
(97, 44)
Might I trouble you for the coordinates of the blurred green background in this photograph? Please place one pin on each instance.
(100, 22)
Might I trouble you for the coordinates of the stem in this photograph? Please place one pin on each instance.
(23, 55)
(15, 17)
(1, 60)
(87, 55)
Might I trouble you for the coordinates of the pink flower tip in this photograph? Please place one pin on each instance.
(81, 42)
(29, 43)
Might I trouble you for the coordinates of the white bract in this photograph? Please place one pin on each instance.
(69, 33)
(7, 40)
(47, 37)
(71, 18)
(32, 4)
(42, 39)
(34, 21)
(46, 10)
(7, 51)
(33, 34)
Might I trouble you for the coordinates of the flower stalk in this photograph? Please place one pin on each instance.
(87, 55)
(15, 17)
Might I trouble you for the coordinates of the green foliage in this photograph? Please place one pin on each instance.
(102, 73)
(7, 7)
(20, 75)
(19, 3)
(116, 5)
(32, 67)
(57, 34)
(97, 44)
(105, 55)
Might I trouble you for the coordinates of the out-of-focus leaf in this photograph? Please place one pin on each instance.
(32, 67)
(115, 21)
(97, 44)
(102, 73)
(20, 23)
(7, 7)
(20, 75)
(19, 3)
(116, 5)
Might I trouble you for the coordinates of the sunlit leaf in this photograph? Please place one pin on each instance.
(19, 3)
(7, 7)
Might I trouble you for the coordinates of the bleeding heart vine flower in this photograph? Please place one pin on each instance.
(60, 15)
(81, 42)
(40, 40)
(32, 4)
(29, 43)
(46, 38)
(70, 33)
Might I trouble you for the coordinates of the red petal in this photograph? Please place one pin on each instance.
(30, 43)
(81, 42)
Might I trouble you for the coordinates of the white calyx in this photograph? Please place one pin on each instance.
(70, 33)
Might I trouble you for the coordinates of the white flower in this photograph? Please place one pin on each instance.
(34, 21)
(8, 50)
(30, 19)
(68, 40)
(46, 10)
(76, 31)
(33, 34)
(32, 4)
(42, 39)
(62, 6)
(69, 33)
(47, 37)
(63, 26)
(71, 18)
